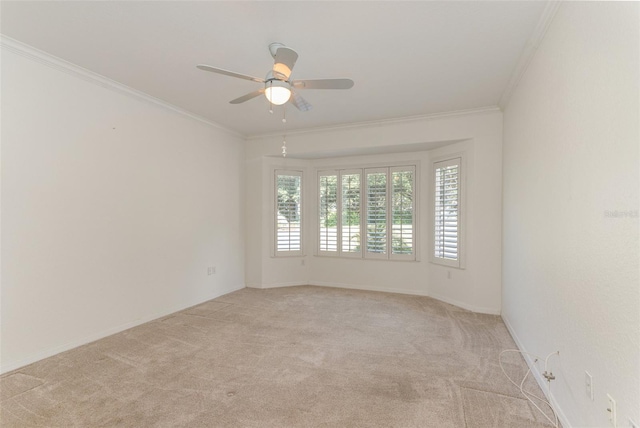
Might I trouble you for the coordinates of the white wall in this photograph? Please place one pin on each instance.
(113, 207)
(478, 134)
(570, 270)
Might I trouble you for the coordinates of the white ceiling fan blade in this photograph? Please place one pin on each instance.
(285, 59)
(247, 97)
(300, 103)
(228, 73)
(322, 84)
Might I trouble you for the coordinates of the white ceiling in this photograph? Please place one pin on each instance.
(406, 58)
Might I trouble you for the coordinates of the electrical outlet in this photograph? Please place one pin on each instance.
(612, 410)
(588, 383)
(211, 270)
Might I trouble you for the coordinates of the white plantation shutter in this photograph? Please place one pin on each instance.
(350, 199)
(288, 237)
(328, 211)
(447, 180)
(376, 214)
(402, 212)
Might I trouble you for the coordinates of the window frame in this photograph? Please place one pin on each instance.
(294, 173)
(364, 227)
(363, 254)
(341, 252)
(414, 237)
(443, 161)
(328, 173)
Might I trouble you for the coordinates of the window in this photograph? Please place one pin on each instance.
(402, 211)
(376, 213)
(328, 213)
(350, 212)
(288, 236)
(367, 213)
(447, 192)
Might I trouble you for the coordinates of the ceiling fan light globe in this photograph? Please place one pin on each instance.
(277, 95)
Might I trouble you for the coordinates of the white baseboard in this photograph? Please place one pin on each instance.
(537, 375)
(369, 288)
(5, 368)
(462, 305)
(472, 308)
(277, 284)
(478, 309)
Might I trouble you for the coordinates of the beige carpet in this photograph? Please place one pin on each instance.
(287, 357)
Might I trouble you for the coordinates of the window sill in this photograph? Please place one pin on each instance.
(330, 256)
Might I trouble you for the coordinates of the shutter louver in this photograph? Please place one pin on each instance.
(447, 197)
(350, 213)
(288, 212)
(402, 212)
(328, 238)
(377, 212)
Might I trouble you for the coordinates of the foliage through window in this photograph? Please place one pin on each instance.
(328, 213)
(367, 213)
(350, 213)
(402, 214)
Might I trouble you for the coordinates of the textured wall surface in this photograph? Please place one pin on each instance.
(111, 210)
(571, 169)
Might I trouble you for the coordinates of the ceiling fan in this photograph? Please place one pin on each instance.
(278, 87)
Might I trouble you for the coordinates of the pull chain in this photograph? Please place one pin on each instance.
(270, 102)
(284, 137)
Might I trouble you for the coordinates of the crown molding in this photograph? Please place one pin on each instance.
(59, 64)
(381, 122)
(529, 51)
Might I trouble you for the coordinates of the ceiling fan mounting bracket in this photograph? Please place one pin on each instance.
(273, 48)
